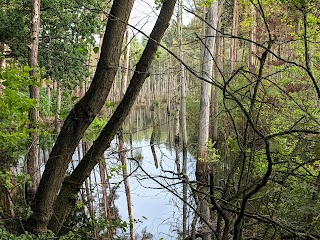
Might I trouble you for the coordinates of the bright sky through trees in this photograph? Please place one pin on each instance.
(144, 14)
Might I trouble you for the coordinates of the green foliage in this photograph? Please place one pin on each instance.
(94, 129)
(206, 3)
(213, 156)
(15, 105)
(136, 49)
(193, 108)
(158, 4)
(5, 235)
(6, 180)
(66, 38)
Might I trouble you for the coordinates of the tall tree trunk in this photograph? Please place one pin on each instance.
(73, 183)
(122, 156)
(234, 41)
(58, 110)
(80, 117)
(252, 46)
(203, 137)
(33, 161)
(125, 72)
(2, 57)
(183, 121)
(214, 133)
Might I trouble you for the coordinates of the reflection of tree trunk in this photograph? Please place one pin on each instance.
(33, 161)
(154, 130)
(122, 156)
(87, 189)
(82, 171)
(79, 158)
(176, 134)
(214, 122)
(169, 96)
(89, 199)
(106, 205)
(183, 122)
(131, 140)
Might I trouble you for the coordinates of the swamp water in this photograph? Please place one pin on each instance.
(156, 193)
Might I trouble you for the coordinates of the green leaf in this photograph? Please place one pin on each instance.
(74, 98)
(82, 50)
(304, 157)
(27, 68)
(95, 49)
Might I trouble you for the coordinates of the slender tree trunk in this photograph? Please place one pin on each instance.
(89, 199)
(177, 134)
(106, 198)
(204, 123)
(214, 133)
(234, 41)
(73, 183)
(122, 156)
(2, 57)
(125, 74)
(80, 118)
(183, 121)
(48, 92)
(252, 47)
(33, 161)
(106, 204)
(154, 130)
(57, 124)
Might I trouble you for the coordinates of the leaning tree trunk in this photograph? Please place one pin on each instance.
(203, 137)
(33, 161)
(73, 183)
(80, 117)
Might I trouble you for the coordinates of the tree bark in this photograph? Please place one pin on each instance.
(234, 41)
(252, 46)
(57, 114)
(203, 137)
(73, 183)
(125, 72)
(183, 117)
(80, 117)
(33, 161)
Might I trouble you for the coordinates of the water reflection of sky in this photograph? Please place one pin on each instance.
(162, 210)
(156, 208)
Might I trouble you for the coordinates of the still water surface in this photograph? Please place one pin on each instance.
(154, 201)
